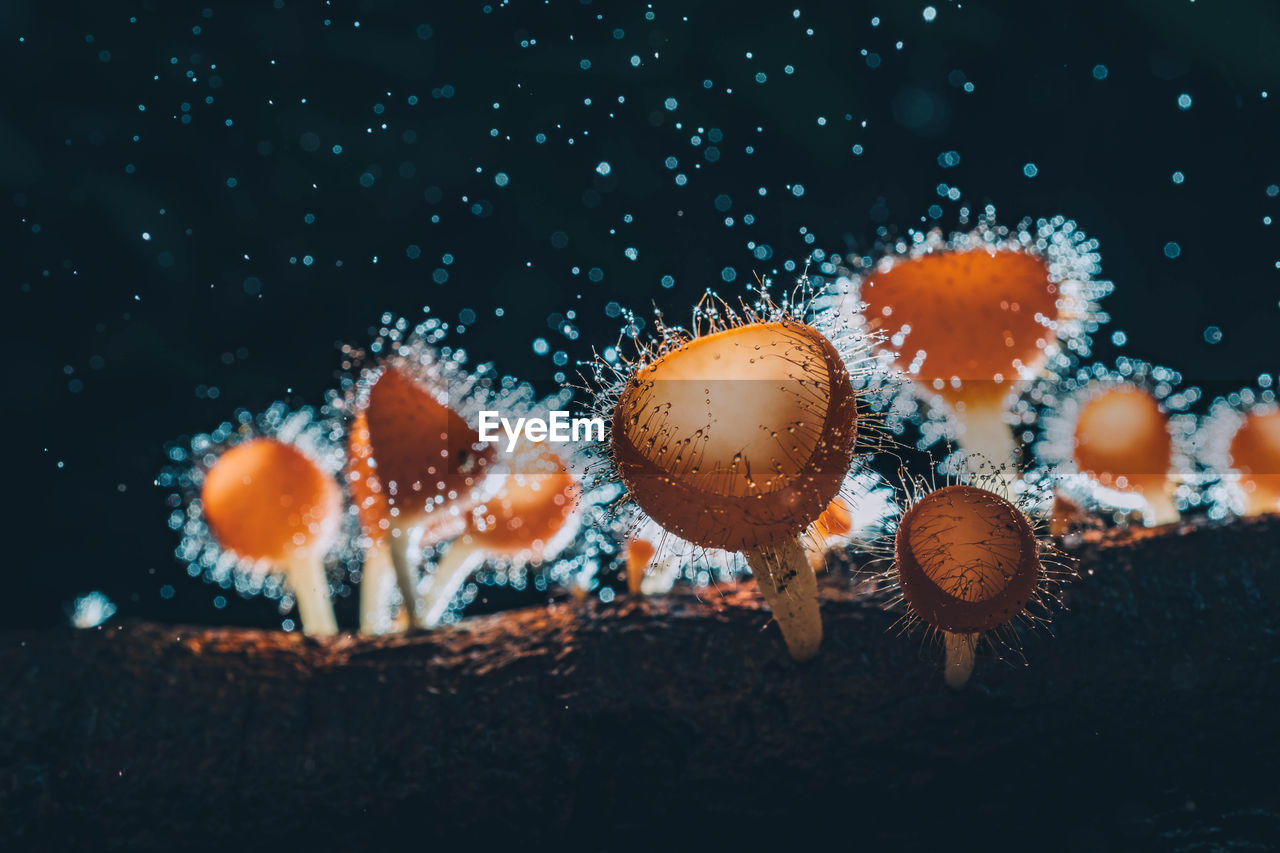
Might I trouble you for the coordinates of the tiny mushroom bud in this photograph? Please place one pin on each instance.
(1255, 454)
(638, 554)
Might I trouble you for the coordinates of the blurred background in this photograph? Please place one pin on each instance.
(205, 200)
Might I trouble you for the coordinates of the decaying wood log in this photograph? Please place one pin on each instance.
(1148, 722)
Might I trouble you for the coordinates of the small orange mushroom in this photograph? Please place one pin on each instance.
(428, 464)
(1122, 440)
(836, 519)
(835, 523)
(969, 323)
(1255, 455)
(967, 562)
(639, 553)
(522, 523)
(267, 501)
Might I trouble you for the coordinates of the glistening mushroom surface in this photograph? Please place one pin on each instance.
(738, 439)
(967, 559)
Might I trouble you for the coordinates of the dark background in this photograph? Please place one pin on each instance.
(118, 345)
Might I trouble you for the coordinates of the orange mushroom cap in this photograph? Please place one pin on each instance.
(975, 313)
(423, 449)
(836, 520)
(1122, 439)
(266, 500)
(967, 559)
(738, 439)
(1255, 453)
(533, 507)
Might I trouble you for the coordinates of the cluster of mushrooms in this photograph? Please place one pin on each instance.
(743, 441)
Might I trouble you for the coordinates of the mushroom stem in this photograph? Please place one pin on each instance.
(1162, 509)
(376, 575)
(400, 545)
(988, 438)
(790, 586)
(959, 658)
(307, 579)
(1258, 502)
(458, 563)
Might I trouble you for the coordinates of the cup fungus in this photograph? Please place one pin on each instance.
(738, 439)
(428, 464)
(254, 500)
(1239, 442)
(971, 319)
(530, 519)
(268, 502)
(967, 563)
(1117, 438)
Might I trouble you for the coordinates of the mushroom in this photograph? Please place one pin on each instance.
(1255, 455)
(377, 574)
(973, 318)
(638, 553)
(739, 440)
(267, 501)
(1239, 444)
(427, 462)
(527, 520)
(967, 562)
(1117, 438)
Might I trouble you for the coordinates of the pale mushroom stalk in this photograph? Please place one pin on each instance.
(401, 544)
(789, 585)
(450, 573)
(960, 649)
(378, 573)
(987, 440)
(310, 586)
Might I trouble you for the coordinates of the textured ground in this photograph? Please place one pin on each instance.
(1147, 722)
